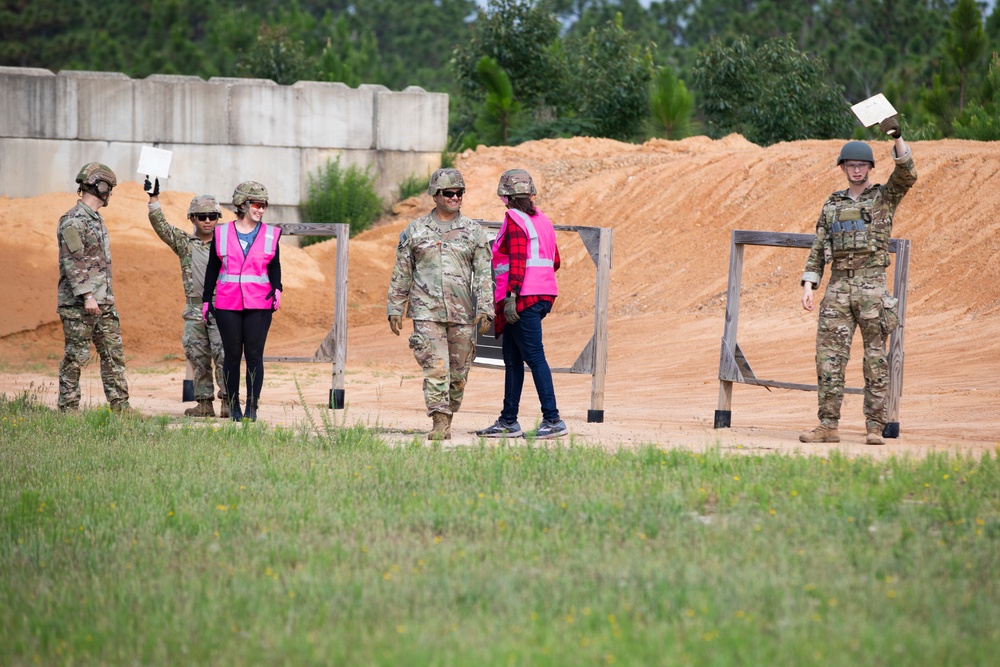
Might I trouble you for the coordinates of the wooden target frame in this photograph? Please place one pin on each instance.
(593, 360)
(733, 364)
(333, 348)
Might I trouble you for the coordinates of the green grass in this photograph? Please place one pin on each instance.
(129, 541)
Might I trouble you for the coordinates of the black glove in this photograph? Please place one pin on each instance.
(151, 189)
(891, 127)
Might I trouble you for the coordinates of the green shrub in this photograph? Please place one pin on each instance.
(413, 185)
(338, 195)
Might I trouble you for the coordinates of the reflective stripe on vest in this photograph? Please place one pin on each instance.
(222, 247)
(242, 278)
(533, 258)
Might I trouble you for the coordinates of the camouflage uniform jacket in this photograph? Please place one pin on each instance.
(840, 236)
(193, 252)
(84, 258)
(443, 270)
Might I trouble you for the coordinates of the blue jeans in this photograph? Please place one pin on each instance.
(522, 344)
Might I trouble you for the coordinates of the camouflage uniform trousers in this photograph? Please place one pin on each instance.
(862, 302)
(104, 329)
(203, 345)
(445, 351)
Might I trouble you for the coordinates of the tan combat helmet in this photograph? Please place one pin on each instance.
(204, 204)
(445, 179)
(97, 179)
(515, 182)
(249, 191)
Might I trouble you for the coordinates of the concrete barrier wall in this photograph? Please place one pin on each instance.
(221, 131)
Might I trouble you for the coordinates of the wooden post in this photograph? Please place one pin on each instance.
(334, 346)
(727, 359)
(896, 355)
(596, 412)
(340, 319)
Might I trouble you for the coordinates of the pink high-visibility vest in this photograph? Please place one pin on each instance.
(243, 282)
(539, 273)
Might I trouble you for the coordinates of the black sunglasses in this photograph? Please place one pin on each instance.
(202, 217)
(451, 194)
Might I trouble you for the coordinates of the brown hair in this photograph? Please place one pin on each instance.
(522, 203)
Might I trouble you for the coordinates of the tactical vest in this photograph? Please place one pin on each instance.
(539, 273)
(243, 282)
(855, 239)
(849, 230)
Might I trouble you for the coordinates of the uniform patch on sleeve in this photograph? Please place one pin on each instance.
(71, 236)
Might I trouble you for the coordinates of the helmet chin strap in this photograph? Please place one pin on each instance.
(102, 191)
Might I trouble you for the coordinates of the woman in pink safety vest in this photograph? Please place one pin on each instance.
(244, 277)
(525, 260)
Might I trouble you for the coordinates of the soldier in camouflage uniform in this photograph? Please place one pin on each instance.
(86, 303)
(853, 233)
(444, 281)
(201, 341)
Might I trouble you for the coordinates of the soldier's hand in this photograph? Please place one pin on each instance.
(807, 296)
(891, 127)
(395, 323)
(275, 296)
(152, 189)
(510, 309)
(483, 323)
(90, 306)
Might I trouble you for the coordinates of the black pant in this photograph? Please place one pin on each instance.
(243, 334)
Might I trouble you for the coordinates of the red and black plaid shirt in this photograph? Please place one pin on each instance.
(515, 244)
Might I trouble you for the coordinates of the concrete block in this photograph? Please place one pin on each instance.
(54, 164)
(394, 167)
(105, 110)
(333, 115)
(217, 170)
(262, 115)
(180, 109)
(36, 103)
(411, 120)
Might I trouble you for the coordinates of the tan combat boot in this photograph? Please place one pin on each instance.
(224, 408)
(442, 427)
(205, 408)
(821, 433)
(874, 436)
(126, 410)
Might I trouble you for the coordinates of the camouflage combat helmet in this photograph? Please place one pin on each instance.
(516, 182)
(249, 191)
(204, 204)
(97, 179)
(856, 150)
(445, 179)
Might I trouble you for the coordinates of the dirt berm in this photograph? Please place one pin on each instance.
(673, 206)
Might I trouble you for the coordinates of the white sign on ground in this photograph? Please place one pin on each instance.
(873, 110)
(154, 162)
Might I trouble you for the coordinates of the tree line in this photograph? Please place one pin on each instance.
(772, 70)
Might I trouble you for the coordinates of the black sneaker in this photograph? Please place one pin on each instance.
(549, 429)
(501, 430)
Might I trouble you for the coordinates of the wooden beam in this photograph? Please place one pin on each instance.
(596, 413)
